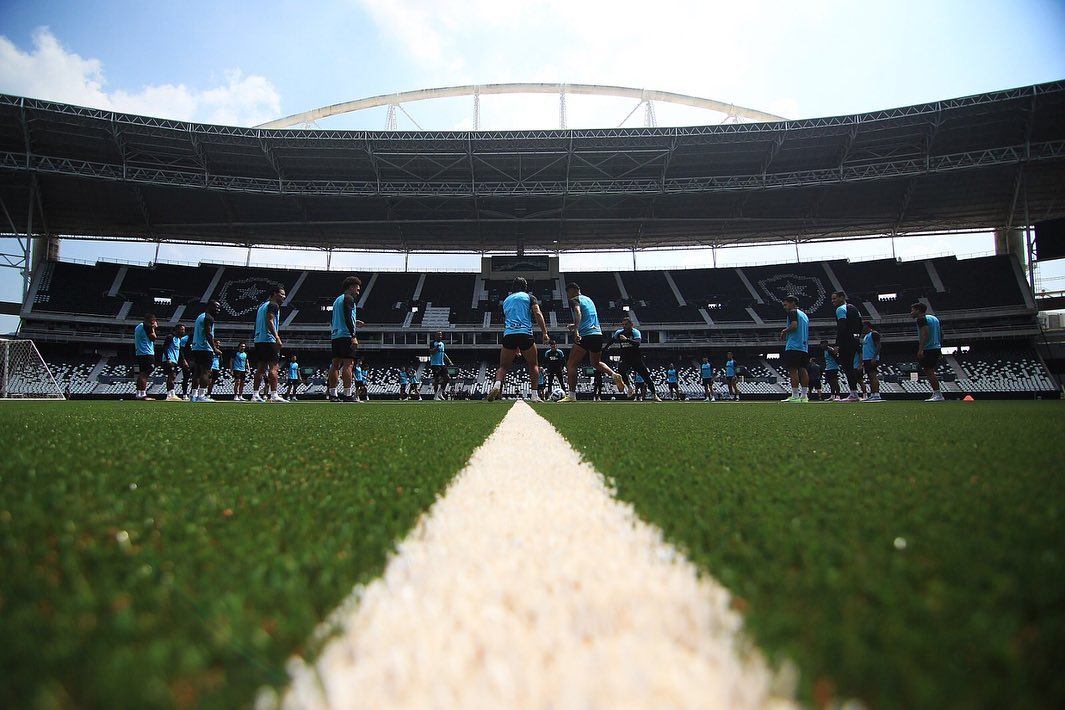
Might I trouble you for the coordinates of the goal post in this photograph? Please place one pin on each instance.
(23, 372)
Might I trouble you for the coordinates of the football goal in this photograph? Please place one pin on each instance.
(24, 374)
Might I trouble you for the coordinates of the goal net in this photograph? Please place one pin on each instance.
(24, 374)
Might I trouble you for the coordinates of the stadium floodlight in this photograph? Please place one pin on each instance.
(713, 306)
(887, 296)
(625, 308)
(413, 309)
(772, 356)
(24, 374)
(162, 301)
(328, 309)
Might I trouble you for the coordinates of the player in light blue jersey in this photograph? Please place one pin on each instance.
(639, 386)
(796, 356)
(404, 380)
(438, 363)
(344, 342)
(929, 346)
(204, 348)
(706, 374)
(730, 377)
(239, 366)
(871, 360)
(144, 348)
(172, 361)
(831, 371)
(628, 339)
(415, 389)
(587, 339)
(293, 380)
(216, 373)
(268, 345)
(673, 382)
(360, 384)
(520, 312)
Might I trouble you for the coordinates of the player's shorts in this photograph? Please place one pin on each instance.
(592, 343)
(202, 359)
(672, 385)
(707, 381)
(518, 341)
(239, 375)
(215, 374)
(267, 353)
(930, 359)
(170, 368)
(342, 349)
(440, 373)
(871, 367)
(145, 364)
(795, 359)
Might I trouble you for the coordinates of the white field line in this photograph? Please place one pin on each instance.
(527, 585)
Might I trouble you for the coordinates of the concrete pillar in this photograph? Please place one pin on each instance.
(1010, 241)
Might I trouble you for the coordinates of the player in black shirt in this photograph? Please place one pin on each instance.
(848, 330)
(628, 340)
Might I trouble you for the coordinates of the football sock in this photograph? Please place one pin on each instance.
(347, 391)
(804, 391)
(794, 391)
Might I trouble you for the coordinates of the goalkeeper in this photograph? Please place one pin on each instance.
(628, 341)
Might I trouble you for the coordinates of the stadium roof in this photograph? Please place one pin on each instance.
(977, 162)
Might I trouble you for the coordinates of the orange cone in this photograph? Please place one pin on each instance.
(968, 398)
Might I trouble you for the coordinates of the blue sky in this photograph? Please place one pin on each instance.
(245, 63)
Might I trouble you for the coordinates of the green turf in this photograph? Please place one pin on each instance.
(796, 508)
(246, 525)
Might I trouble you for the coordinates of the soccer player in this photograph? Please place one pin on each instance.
(706, 372)
(929, 346)
(640, 386)
(629, 339)
(520, 311)
(359, 374)
(871, 360)
(555, 359)
(438, 362)
(814, 371)
(730, 375)
(239, 366)
(587, 339)
(672, 383)
(172, 361)
(542, 388)
(344, 342)
(144, 344)
(204, 348)
(268, 345)
(796, 349)
(293, 378)
(216, 373)
(415, 384)
(848, 326)
(831, 372)
(403, 380)
(186, 366)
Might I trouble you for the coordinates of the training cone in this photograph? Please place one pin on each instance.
(968, 398)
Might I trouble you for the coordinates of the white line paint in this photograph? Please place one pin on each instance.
(527, 585)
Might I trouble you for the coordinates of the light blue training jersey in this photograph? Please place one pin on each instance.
(437, 359)
(869, 346)
(262, 333)
(831, 363)
(293, 371)
(173, 349)
(517, 313)
(934, 332)
(202, 333)
(671, 376)
(707, 371)
(798, 339)
(340, 327)
(144, 344)
(240, 362)
(589, 324)
(215, 363)
(730, 368)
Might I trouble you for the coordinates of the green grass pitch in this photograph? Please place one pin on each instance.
(906, 554)
(170, 554)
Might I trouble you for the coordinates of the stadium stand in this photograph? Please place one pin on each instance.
(83, 318)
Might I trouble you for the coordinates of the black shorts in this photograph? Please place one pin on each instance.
(672, 385)
(145, 364)
(440, 373)
(239, 375)
(591, 343)
(930, 359)
(518, 341)
(708, 381)
(215, 374)
(202, 359)
(170, 368)
(870, 367)
(267, 353)
(795, 359)
(342, 349)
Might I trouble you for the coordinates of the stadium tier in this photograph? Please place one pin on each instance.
(83, 317)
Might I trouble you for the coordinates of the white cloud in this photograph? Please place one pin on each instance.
(50, 71)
